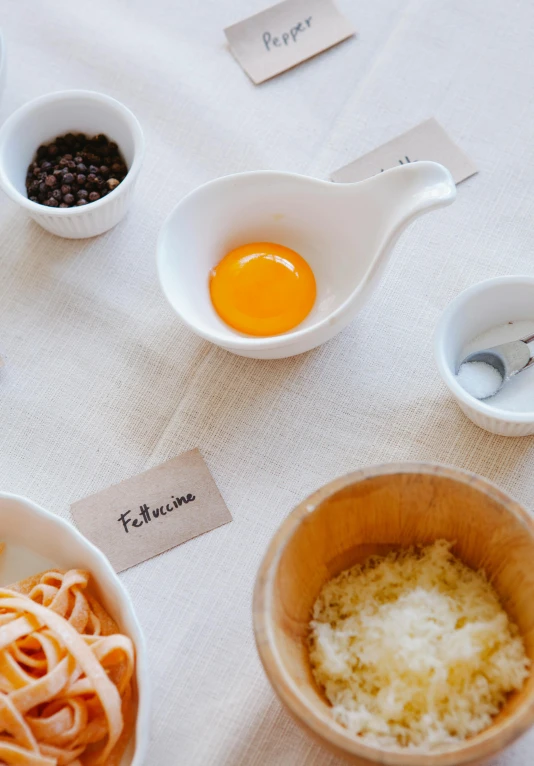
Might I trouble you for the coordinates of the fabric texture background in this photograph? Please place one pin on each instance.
(101, 381)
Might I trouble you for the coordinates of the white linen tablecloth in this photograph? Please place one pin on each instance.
(101, 381)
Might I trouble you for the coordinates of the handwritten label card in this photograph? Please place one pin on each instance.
(427, 141)
(285, 35)
(152, 512)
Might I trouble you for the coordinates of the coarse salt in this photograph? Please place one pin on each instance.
(517, 395)
(479, 379)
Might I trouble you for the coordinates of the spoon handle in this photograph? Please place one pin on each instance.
(528, 339)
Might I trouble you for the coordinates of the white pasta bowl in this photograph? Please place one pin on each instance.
(37, 540)
(374, 511)
(72, 111)
(485, 305)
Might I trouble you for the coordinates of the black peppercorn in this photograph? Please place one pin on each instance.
(75, 170)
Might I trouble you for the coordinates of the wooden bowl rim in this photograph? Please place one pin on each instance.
(486, 744)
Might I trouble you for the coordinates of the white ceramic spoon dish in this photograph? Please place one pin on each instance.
(344, 231)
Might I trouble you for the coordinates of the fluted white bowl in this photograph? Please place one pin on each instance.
(72, 111)
(475, 310)
(37, 540)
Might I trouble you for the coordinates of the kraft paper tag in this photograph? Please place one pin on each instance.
(427, 141)
(152, 512)
(285, 35)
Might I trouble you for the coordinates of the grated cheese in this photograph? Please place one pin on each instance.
(414, 649)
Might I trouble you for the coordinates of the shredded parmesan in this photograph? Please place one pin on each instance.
(414, 649)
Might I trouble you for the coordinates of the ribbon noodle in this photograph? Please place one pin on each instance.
(65, 686)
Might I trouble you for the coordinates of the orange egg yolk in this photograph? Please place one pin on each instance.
(262, 289)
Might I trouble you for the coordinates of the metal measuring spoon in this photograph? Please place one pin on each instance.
(507, 358)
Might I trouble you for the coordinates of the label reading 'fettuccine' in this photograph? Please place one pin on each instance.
(153, 511)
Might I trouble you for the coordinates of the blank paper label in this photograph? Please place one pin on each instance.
(285, 35)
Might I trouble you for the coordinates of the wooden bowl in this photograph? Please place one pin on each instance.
(373, 511)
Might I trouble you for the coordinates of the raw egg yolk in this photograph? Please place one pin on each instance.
(262, 289)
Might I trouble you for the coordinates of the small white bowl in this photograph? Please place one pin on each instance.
(72, 111)
(477, 309)
(37, 540)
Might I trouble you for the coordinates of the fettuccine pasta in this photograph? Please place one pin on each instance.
(65, 675)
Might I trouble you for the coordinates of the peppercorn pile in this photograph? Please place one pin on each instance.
(75, 170)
